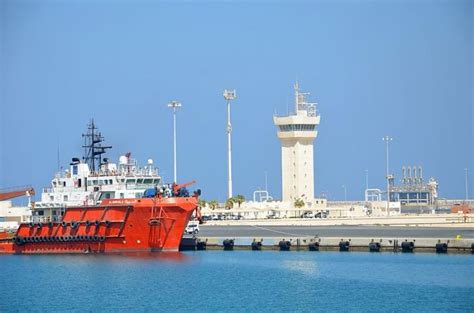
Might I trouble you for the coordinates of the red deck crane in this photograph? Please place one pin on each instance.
(10, 193)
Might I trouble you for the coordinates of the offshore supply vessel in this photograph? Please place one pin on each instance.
(99, 207)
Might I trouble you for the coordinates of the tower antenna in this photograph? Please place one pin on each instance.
(93, 148)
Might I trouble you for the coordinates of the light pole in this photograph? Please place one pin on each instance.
(366, 179)
(366, 184)
(174, 104)
(229, 95)
(465, 182)
(345, 192)
(387, 139)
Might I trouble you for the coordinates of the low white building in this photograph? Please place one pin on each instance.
(11, 216)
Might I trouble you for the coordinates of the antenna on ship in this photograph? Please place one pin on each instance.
(93, 149)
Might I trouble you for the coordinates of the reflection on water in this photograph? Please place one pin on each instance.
(301, 266)
(206, 281)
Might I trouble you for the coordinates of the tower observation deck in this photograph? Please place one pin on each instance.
(297, 132)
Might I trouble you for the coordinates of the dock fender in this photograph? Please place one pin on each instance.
(344, 245)
(284, 245)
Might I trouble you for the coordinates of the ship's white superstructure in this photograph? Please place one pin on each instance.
(89, 182)
(297, 132)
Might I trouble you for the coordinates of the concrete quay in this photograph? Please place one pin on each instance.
(369, 231)
(372, 244)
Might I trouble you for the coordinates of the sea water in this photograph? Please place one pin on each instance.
(239, 281)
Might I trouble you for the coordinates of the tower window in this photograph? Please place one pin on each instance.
(297, 127)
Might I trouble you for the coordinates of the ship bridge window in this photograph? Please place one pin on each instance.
(130, 181)
(156, 181)
(148, 181)
(140, 181)
(74, 170)
(107, 195)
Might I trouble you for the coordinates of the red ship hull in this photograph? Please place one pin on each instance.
(117, 225)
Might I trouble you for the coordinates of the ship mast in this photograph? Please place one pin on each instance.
(93, 148)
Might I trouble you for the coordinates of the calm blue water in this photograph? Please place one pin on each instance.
(239, 281)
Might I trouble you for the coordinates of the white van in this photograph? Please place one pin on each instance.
(192, 228)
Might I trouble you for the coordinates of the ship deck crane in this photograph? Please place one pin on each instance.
(177, 190)
(14, 192)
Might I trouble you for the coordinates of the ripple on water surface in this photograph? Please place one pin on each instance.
(238, 281)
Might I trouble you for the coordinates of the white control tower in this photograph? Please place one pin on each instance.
(297, 132)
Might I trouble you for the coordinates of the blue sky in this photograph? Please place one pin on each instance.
(402, 68)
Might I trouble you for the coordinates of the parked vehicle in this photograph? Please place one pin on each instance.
(321, 215)
(192, 228)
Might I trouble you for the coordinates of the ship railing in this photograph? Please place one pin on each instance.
(123, 172)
